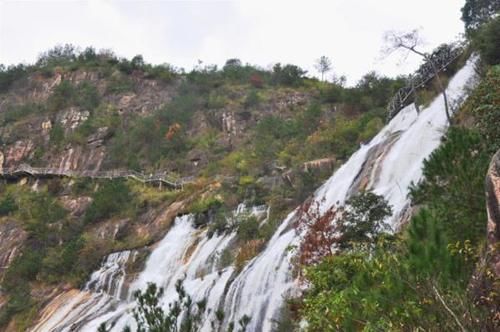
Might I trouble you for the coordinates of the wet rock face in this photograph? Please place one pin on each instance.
(371, 168)
(12, 238)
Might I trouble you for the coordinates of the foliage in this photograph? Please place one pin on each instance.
(150, 316)
(13, 113)
(120, 84)
(392, 288)
(359, 222)
(183, 314)
(454, 173)
(289, 75)
(363, 218)
(62, 96)
(487, 41)
(256, 81)
(66, 94)
(477, 12)
(252, 99)
(58, 55)
(205, 204)
(110, 199)
(56, 135)
(323, 65)
(484, 106)
(7, 205)
(11, 74)
(248, 228)
(418, 280)
(321, 232)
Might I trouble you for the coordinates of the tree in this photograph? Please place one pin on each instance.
(487, 41)
(364, 218)
(409, 41)
(323, 65)
(137, 62)
(290, 75)
(477, 12)
(360, 221)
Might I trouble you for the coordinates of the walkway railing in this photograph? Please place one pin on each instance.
(442, 59)
(157, 177)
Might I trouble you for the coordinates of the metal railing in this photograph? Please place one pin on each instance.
(157, 177)
(441, 60)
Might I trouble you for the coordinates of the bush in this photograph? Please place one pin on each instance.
(477, 12)
(484, 106)
(205, 204)
(62, 96)
(252, 99)
(56, 135)
(87, 96)
(248, 229)
(10, 75)
(112, 198)
(332, 94)
(120, 84)
(487, 41)
(7, 205)
(256, 81)
(289, 75)
(363, 218)
(17, 112)
(455, 173)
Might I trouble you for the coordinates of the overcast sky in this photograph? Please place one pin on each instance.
(350, 32)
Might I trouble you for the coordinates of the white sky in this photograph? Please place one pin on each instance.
(350, 32)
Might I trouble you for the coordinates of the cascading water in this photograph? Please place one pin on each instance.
(387, 165)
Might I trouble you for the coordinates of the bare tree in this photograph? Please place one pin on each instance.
(408, 42)
(323, 65)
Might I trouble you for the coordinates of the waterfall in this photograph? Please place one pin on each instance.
(388, 164)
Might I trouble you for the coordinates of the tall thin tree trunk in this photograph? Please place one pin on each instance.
(443, 90)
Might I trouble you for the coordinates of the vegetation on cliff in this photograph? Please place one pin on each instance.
(420, 278)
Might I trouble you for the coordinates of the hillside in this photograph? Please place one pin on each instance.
(247, 185)
(240, 134)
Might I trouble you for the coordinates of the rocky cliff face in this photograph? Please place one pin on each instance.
(486, 281)
(12, 238)
(29, 140)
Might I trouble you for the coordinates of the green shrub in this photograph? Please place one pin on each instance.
(10, 75)
(248, 228)
(289, 75)
(87, 96)
(226, 258)
(455, 173)
(204, 204)
(60, 261)
(56, 135)
(487, 41)
(112, 198)
(14, 113)
(253, 99)
(484, 106)
(332, 94)
(120, 84)
(7, 205)
(62, 96)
